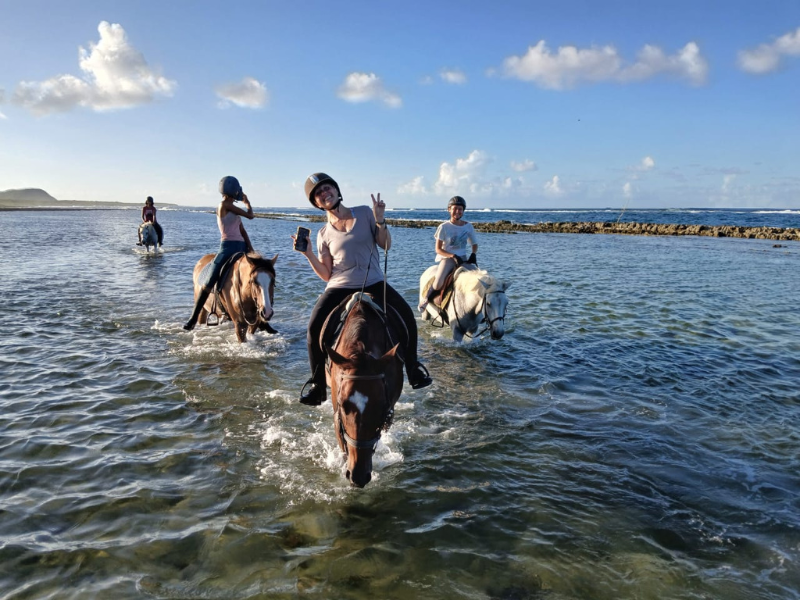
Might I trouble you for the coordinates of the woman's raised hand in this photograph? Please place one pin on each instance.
(378, 208)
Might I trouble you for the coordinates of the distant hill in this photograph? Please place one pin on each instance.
(37, 198)
(30, 197)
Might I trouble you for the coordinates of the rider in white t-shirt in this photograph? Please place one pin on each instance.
(453, 238)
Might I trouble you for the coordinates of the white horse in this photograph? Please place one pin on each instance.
(149, 236)
(477, 298)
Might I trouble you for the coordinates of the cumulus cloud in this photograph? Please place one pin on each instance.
(627, 189)
(366, 87)
(570, 66)
(464, 174)
(414, 187)
(767, 57)
(525, 165)
(248, 93)
(115, 76)
(553, 187)
(453, 76)
(727, 180)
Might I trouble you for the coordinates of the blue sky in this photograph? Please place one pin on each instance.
(540, 104)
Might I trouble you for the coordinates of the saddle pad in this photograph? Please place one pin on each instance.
(332, 326)
(205, 274)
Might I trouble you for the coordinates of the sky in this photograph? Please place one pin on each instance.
(510, 104)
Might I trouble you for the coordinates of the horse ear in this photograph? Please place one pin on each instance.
(335, 357)
(391, 355)
(484, 284)
(504, 285)
(273, 259)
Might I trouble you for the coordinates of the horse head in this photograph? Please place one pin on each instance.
(258, 285)
(364, 389)
(495, 303)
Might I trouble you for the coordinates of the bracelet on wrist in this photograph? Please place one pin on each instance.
(380, 222)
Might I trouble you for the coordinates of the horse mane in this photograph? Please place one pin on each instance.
(357, 336)
(473, 281)
(261, 263)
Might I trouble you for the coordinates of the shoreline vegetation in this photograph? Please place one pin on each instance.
(595, 227)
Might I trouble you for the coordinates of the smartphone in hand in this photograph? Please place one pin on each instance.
(301, 239)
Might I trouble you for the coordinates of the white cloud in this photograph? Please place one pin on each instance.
(627, 189)
(766, 57)
(726, 182)
(525, 165)
(116, 76)
(413, 187)
(465, 173)
(364, 87)
(453, 76)
(647, 163)
(570, 66)
(553, 187)
(248, 93)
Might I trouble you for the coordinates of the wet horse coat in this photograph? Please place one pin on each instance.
(365, 373)
(246, 293)
(476, 298)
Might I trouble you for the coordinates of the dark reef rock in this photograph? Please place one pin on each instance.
(731, 231)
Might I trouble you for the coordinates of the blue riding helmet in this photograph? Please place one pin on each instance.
(229, 186)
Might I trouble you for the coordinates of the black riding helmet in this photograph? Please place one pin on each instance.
(229, 186)
(457, 201)
(316, 180)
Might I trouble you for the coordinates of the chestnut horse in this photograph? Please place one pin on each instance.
(246, 296)
(365, 374)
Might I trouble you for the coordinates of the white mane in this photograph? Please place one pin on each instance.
(475, 281)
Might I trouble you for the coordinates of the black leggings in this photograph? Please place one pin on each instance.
(331, 298)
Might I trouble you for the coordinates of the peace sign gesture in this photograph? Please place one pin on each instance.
(378, 208)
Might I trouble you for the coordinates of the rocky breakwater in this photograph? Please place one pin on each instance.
(719, 231)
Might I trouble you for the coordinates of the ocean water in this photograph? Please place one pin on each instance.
(635, 434)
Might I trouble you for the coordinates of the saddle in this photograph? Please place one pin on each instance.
(332, 327)
(217, 308)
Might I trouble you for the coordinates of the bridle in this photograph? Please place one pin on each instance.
(489, 322)
(387, 417)
(255, 299)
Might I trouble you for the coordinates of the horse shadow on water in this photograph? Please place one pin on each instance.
(472, 298)
(244, 293)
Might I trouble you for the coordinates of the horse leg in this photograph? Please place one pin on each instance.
(241, 332)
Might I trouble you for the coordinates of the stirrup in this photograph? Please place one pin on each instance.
(209, 322)
(315, 396)
(421, 377)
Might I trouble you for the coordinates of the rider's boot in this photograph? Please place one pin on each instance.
(432, 291)
(198, 306)
(418, 376)
(316, 394)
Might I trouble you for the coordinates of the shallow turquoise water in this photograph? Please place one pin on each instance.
(634, 434)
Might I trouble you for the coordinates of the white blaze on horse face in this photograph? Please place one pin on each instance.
(264, 280)
(359, 400)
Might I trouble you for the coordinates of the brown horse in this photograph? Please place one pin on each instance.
(365, 373)
(246, 296)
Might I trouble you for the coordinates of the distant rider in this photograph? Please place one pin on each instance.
(233, 238)
(149, 216)
(452, 238)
